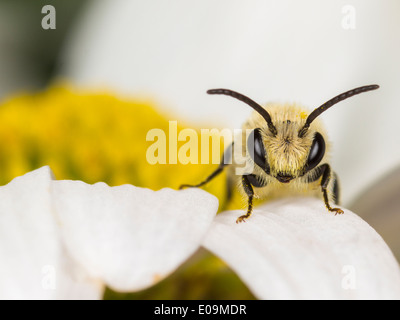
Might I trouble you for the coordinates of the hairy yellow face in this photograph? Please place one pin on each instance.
(286, 152)
(286, 155)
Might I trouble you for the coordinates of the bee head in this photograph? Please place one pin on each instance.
(286, 156)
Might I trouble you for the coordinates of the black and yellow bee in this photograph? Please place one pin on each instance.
(288, 149)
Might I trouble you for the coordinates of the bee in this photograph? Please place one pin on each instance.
(289, 151)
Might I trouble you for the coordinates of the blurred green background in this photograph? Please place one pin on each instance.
(29, 54)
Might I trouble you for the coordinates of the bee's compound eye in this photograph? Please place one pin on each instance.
(256, 148)
(317, 152)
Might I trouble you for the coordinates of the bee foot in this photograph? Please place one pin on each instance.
(242, 218)
(336, 211)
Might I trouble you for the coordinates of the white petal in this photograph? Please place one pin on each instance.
(295, 249)
(33, 262)
(131, 237)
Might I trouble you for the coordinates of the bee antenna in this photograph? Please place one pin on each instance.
(332, 102)
(264, 113)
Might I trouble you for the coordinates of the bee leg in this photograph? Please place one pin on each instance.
(226, 159)
(336, 189)
(250, 193)
(326, 178)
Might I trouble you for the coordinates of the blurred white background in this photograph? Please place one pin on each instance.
(287, 51)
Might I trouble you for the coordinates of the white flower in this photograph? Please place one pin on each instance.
(68, 239)
(295, 249)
